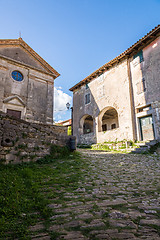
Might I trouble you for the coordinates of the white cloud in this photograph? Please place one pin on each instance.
(60, 100)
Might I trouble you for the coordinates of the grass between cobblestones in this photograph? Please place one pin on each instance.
(71, 196)
(23, 199)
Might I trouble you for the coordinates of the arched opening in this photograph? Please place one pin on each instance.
(87, 124)
(108, 119)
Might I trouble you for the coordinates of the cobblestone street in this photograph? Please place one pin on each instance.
(118, 198)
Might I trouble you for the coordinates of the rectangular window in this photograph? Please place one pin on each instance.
(104, 127)
(113, 126)
(87, 98)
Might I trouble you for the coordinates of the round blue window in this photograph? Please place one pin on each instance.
(17, 76)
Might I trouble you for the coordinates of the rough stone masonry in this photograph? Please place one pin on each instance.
(21, 141)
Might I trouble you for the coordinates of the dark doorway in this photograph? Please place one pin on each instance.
(88, 125)
(14, 113)
(146, 127)
(104, 127)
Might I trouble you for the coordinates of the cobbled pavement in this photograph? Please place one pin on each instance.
(119, 199)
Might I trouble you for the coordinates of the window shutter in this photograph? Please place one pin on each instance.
(140, 55)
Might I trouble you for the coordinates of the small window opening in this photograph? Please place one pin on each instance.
(113, 126)
(104, 127)
(87, 98)
(7, 140)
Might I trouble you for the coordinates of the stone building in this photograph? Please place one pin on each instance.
(26, 82)
(121, 100)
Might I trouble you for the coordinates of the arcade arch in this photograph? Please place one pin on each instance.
(108, 119)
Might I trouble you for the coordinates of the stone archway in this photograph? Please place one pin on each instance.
(108, 119)
(86, 124)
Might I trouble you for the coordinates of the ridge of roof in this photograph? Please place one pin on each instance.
(22, 43)
(129, 52)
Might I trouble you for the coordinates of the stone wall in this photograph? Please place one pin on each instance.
(87, 139)
(109, 90)
(21, 141)
(33, 96)
(145, 76)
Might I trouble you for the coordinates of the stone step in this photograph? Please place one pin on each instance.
(145, 146)
(140, 143)
(151, 143)
(141, 150)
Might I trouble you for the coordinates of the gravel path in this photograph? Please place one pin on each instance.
(119, 198)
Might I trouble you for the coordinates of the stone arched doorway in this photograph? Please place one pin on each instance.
(86, 123)
(87, 134)
(108, 119)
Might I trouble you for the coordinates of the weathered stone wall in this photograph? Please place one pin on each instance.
(109, 90)
(21, 141)
(33, 96)
(145, 76)
(87, 138)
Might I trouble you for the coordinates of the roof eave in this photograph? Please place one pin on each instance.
(149, 37)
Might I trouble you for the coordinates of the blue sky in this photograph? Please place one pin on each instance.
(77, 36)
